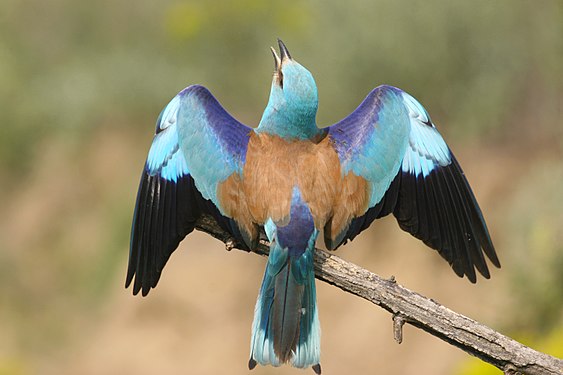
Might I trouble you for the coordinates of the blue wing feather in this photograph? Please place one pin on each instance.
(391, 142)
(213, 142)
(192, 130)
(371, 141)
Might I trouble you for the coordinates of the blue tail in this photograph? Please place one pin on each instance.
(286, 324)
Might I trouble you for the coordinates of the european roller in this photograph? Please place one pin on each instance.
(290, 180)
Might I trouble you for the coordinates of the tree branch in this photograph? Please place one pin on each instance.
(410, 307)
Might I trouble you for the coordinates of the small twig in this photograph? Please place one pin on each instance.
(406, 306)
(398, 323)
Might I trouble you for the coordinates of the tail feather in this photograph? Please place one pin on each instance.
(308, 349)
(286, 312)
(286, 325)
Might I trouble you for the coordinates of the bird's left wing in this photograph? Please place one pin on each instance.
(403, 166)
(197, 145)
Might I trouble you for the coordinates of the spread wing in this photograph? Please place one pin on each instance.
(196, 146)
(390, 141)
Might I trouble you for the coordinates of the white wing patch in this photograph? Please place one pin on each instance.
(165, 157)
(427, 149)
(169, 115)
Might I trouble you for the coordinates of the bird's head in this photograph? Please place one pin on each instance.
(293, 96)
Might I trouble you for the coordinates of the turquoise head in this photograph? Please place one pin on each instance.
(293, 103)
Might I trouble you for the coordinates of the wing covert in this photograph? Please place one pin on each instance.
(213, 142)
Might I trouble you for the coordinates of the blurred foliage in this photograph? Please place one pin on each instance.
(536, 227)
(76, 76)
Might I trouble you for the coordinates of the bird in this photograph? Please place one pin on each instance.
(289, 180)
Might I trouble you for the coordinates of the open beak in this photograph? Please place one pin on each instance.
(284, 53)
(277, 60)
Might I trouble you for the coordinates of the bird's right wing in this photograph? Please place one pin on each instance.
(400, 164)
(197, 146)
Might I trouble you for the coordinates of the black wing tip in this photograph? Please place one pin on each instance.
(145, 291)
(483, 270)
(484, 249)
(140, 285)
(129, 278)
(472, 276)
(482, 267)
(492, 255)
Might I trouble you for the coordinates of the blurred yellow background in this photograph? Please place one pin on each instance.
(81, 85)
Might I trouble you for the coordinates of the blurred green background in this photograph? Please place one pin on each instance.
(81, 84)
